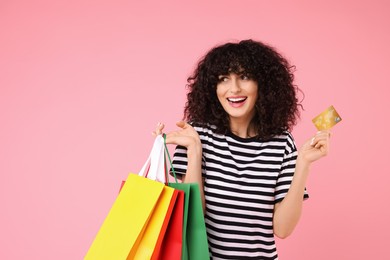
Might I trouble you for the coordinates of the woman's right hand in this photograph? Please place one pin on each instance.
(186, 136)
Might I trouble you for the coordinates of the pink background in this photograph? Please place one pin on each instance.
(83, 84)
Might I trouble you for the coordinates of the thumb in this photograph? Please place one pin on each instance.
(181, 124)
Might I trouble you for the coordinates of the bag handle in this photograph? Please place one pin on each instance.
(169, 159)
(154, 167)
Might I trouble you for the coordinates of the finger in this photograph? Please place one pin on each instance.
(318, 145)
(324, 149)
(173, 138)
(321, 143)
(317, 139)
(181, 124)
(323, 133)
(158, 130)
(320, 135)
(168, 137)
(312, 141)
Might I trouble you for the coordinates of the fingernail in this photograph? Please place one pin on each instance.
(312, 141)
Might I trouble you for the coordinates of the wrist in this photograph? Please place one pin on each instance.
(303, 161)
(195, 150)
(194, 163)
(302, 165)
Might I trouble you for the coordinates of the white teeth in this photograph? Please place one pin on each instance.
(236, 99)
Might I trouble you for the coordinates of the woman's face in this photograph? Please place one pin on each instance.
(237, 94)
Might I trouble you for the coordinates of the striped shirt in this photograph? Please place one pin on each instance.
(243, 179)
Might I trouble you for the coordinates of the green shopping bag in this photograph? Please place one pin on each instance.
(195, 244)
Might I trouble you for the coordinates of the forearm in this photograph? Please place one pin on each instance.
(194, 169)
(287, 213)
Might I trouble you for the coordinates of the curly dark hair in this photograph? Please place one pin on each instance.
(277, 107)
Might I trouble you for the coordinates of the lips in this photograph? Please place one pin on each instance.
(236, 99)
(236, 102)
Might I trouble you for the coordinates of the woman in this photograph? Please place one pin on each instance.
(241, 106)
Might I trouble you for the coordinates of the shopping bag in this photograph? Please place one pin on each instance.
(195, 243)
(152, 238)
(124, 225)
(132, 227)
(169, 246)
(155, 226)
(169, 242)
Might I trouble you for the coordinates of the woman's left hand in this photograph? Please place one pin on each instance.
(315, 148)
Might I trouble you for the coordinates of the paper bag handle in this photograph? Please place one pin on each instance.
(169, 159)
(154, 167)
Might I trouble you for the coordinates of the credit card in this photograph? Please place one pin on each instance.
(327, 119)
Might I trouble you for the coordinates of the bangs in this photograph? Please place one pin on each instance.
(231, 59)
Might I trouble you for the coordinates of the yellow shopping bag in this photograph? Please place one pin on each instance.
(152, 231)
(132, 227)
(125, 224)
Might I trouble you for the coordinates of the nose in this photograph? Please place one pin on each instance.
(235, 85)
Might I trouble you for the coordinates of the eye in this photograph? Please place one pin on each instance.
(245, 77)
(223, 78)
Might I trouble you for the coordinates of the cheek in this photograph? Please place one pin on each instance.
(255, 95)
(221, 100)
(220, 92)
(255, 92)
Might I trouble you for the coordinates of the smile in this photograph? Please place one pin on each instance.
(237, 100)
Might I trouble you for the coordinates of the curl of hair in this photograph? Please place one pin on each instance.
(277, 107)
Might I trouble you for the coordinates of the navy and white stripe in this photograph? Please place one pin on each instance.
(244, 178)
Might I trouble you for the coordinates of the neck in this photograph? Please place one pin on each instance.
(242, 128)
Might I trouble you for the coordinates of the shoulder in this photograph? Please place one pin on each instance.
(204, 129)
(288, 141)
